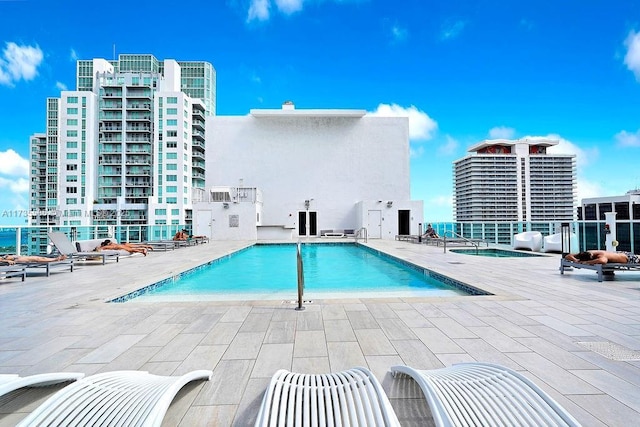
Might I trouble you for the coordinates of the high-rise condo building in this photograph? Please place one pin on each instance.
(126, 147)
(514, 180)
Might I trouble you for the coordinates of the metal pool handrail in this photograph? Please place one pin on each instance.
(300, 276)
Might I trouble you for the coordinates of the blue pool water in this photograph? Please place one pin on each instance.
(269, 272)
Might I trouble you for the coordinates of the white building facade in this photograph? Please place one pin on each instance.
(516, 181)
(291, 173)
(126, 148)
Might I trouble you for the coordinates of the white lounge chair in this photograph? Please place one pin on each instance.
(127, 398)
(349, 398)
(483, 394)
(9, 382)
(531, 240)
(66, 247)
(553, 243)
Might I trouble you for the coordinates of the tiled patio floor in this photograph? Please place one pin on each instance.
(535, 323)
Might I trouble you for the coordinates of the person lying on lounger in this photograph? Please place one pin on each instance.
(12, 259)
(129, 247)
(181, 235)
(593, 257)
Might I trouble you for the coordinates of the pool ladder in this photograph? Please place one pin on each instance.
(300, 276)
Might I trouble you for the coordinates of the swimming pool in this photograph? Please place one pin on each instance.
(268, 271)
(494, 253)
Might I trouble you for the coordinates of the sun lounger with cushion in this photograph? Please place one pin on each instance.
(66, 247)
(127, 398)
(349, 398)
(9, 382)
(48, 266)
(601, 269)
(483, 394)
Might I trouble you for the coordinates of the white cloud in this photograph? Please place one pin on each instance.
(12, 164)
(73, 56)
(289, 6)
(583, 157)
(259, 9)
(502, 132)
(19, 63)
(627, 139)
(14, 181)
(588, 189)
(415, 152)
(452, 29)
(421, 126)
(61, 86)
(632, 58)
(449, 147)
(399, 34)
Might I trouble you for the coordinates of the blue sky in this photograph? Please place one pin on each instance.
(463, 71)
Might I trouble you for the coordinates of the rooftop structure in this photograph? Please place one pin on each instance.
(298, 172)
(514, 180)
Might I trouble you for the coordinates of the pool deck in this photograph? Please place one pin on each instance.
(536, 322)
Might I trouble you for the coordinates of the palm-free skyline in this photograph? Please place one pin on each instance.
(462, 72)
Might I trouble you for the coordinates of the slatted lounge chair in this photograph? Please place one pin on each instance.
(349, 398)
(601, 269)
(7, 271)
(482, 394)
(48, 266)
(127, 398)
(9, 383)
(66, 247)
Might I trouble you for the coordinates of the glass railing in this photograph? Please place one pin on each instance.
(591, 234)
(33, 240)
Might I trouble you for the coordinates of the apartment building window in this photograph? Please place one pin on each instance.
(72, 178)
(71, 167)
(172, 200)
(72, 201)
(161, 221)
(172, 111)
(172, 178)
(172, 133)
(172, 166)
(161, 211)
(72, 122)
(72, 144)
(172, 122)
(172, 156)
(72, 100)
(172, 100)
(72, 190)
(175, 211)
(72, 156)
(172, 189)
(72, 133)
(172, 144)
(72, 110)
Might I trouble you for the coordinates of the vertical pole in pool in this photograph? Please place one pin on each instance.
(300, 277)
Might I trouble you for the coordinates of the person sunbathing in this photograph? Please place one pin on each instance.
(593, 257)
(129, 247)
(181, 235)
(13, 259)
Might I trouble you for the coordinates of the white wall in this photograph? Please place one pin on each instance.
(213, 220)
(331, 160)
